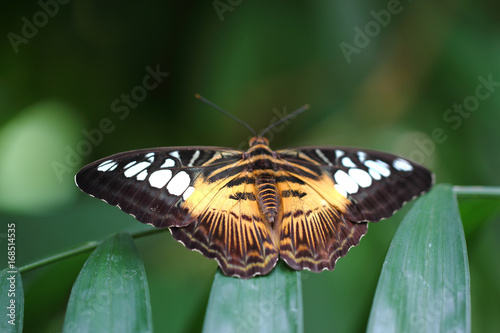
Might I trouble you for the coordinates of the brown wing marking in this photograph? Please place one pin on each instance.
(314, 232)
(227, 226)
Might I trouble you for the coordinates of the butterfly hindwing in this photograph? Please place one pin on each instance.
(230, 228)
(314, 233)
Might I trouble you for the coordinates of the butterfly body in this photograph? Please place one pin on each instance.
(306, 205)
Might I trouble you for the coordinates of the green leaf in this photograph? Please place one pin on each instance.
(271, 303)
(11, 301)
(424, 284)
(111, 292)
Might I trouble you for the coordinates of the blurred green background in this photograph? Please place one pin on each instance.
(414, 78)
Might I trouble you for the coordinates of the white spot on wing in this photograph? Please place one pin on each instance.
(113, 166)
(142, 175)
(323, 157)
(129, 164)
(108, 165)
(361, 177)
(188, 192)
(168, 163)
(179, 183)
(383, 163)
(105, 163)
(378, 166)
(150, 157)
(175, 154)
(194, 158)
(160, 178)
(362, 156)
(339, 153)
(348, 163)
(346, 182)
(375, 175)
(134, 170)
(341, 190)
(402, 165)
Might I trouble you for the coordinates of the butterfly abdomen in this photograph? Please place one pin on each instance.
(267, 196)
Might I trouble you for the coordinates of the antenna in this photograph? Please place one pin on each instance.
(218, 108)
(291, 115)
(212, 104)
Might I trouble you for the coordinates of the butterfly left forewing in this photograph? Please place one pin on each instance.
(153, 185)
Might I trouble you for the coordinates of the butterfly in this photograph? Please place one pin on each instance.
(246, 209)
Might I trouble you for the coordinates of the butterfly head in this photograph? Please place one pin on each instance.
(258, 140)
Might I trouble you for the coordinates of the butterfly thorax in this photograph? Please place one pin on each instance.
(262, 164)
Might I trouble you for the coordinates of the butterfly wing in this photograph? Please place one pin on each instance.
(330, 194)
(191, 190)
(153, 184)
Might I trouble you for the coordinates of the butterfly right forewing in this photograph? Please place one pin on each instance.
(375, 184)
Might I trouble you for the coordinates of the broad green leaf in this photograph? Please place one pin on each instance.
(271, 303)
(424, 284)
(11, 301)
(111, 292)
